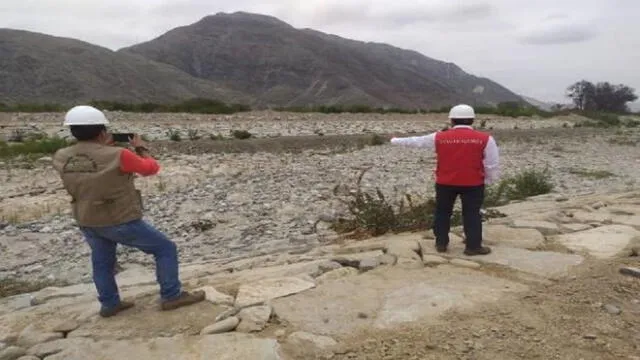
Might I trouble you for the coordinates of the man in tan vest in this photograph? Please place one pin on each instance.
(108, 208)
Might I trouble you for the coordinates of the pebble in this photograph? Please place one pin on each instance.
(612, 309)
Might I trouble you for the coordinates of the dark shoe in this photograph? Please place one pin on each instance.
(109, 312)
(483, 250)
(185, 299)
(441, 248)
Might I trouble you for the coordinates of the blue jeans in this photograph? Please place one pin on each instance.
(142, 236)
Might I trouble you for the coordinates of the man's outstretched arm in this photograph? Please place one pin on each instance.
(426, 141)
(491, 162)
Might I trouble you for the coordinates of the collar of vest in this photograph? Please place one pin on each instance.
(462, 127)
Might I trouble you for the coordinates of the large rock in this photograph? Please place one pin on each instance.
(406, 249)
(269, 289)
(222, 326)
(229, 346)
(30, 336)
(526, 238)
(12, 353)
(388, 296)
(56, 346)
(306, 345)
(601, 242)
(353, 260)
(337, 274)
(254, 318)
(51, 293)
(545, 227)
(544, 264)
(217, 298)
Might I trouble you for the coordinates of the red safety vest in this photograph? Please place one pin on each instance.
(460, 155)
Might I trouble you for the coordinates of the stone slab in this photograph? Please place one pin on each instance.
(545, 264)
(544, 227)
(601, 242)
(526, 238)
(336, 274)
(269, 289)
(229, 346)
(388, 296)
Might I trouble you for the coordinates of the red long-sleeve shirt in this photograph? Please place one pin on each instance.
(132, 163)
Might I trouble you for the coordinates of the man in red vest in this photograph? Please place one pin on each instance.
(467, 159)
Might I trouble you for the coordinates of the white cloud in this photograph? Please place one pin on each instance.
(536, 47)
(558, 29)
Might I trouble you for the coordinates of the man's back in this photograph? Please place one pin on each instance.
(102, 195)
(460, 155)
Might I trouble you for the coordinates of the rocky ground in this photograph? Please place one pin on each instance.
(243, 214)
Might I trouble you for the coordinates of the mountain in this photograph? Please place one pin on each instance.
(240, 57)
(36, 68)
(278, 64)
(539, 104)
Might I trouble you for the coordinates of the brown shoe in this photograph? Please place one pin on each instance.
(483, 250)
(185, 299)
(109, 312)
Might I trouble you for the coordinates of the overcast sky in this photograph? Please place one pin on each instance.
(534, 47)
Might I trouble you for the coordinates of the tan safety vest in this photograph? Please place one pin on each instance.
(101, 195)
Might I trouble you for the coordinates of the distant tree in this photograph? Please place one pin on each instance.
(602, 96)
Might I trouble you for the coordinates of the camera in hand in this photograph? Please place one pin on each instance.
(122, 137)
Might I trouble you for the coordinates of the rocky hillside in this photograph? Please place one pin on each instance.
(41, 68)
(240, 57)
(281, 65)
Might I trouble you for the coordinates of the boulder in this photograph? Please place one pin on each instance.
(601, 242)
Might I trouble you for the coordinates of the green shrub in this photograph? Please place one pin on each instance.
(31, 147)
(241, 134)
(377, 140)
(373, 214)
(174, 135)
(529, 183)
(193, 134)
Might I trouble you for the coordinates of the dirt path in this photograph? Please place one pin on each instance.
(565, 320)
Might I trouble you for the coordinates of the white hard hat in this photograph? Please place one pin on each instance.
(85, 115)
(462, 111)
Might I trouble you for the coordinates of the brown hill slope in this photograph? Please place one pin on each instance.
(278, 64)
(41, 68)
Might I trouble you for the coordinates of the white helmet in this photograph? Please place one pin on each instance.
(462, 111)
(85, 115)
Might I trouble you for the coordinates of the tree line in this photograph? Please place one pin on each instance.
(602, 97)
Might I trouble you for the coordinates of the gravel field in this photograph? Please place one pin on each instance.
(264, 195)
